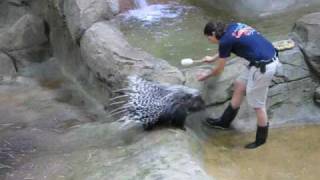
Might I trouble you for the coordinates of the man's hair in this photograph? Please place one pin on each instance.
(216, 28)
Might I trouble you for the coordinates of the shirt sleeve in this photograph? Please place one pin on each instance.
(225, 49)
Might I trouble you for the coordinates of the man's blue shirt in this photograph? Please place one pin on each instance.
(246, 42)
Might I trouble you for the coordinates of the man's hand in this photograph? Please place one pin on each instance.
(209, 59)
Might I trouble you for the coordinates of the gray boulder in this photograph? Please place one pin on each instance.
(27, 32)
(11, 11)
(261, 7)
(293, 67)
(80, 15)
(307, 33)
(108, 54)
(101, 58)
(41, 129)
(6, 65)
(25, 41)
(317, 96)
(216, 90)
(290, 98)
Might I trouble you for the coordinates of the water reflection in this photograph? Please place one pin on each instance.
(153, 13)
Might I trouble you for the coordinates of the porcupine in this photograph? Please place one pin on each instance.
(152, 103)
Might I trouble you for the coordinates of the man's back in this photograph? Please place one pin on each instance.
(245, 42)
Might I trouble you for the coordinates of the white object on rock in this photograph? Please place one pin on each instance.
(284, 45)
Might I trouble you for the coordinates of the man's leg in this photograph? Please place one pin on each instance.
(231, 111)
(262, 118)
(262, 129)
(238, 93)
(257, 90)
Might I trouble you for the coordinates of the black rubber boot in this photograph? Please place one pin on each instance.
(261, 137)
(225, 120)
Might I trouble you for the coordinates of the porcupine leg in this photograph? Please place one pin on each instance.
(147, 126)
(179, 117)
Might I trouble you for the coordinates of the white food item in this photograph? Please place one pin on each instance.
(186, 61)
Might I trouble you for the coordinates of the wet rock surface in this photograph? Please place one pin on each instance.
(49, 130)
(306, 33)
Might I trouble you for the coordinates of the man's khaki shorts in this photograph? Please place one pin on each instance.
(257, 84)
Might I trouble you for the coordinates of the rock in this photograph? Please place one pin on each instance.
(80, 15)
(293, 65)
(125, 5)
(27, 56)
(19, 2)
(103, 58)
(27, 32)
(261, 7)
(25, 41)
(6, 65)
(63, 136)
(290, 100)
(58, 5)
(114, 6)
(291, 94)
(317, 96)
(217, 90)
(114, 61)
(11, 11)
(306, 32)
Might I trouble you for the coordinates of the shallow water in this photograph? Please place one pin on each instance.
(290, 153)
(174, 31)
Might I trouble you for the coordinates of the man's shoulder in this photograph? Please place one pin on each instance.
(234, 24)
(228, 37)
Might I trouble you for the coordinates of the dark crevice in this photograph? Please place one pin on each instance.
(126, 58)
(46, 29)
(81, 34)
(13, 59)
(294, 65)
(28, 48)
(287, 81)
(19, 4)
(306, 58)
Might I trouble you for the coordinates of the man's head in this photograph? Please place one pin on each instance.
(214, 31)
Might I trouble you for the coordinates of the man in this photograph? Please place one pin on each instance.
(246, 42)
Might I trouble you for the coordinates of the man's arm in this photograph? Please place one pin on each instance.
(221, 62)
